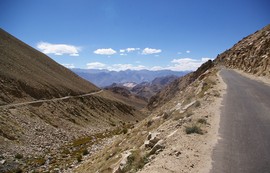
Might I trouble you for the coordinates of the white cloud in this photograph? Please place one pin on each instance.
(187, 64)
(108, 51)
(68, 65)
(121, 67)
(188, 51)
(58, 49)
(96, 65)
(156, 68)
(123, 54)
(147, 51)
(132, 49)
(181, 64)
(114, 67)
(179, 53)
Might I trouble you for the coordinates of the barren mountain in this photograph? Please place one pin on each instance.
(47, 112)
(27, 74)
(124, 94)
(251, 54)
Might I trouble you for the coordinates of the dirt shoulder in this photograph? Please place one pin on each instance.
(190, 153)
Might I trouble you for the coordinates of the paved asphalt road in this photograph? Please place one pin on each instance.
(49, 100)
(244, 146)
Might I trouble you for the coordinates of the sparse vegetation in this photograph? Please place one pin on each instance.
(193, 129)
(85, 152)
(79, 158)
(125, 130)
(135, 161)
(202, 121)
(149, 123)
(197, 104)
(17, 170)
(39, 161)
(18, 156)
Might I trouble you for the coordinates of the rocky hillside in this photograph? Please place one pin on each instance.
(251, 54)
(28, 74)
(178, 85)
(49, 115)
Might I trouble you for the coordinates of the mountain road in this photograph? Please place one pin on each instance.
(244, 144)
(49, 100)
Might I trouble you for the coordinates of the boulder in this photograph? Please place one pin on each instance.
(152, 139)
(159, 146)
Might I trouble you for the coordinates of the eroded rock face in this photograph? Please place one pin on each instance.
(251, 54)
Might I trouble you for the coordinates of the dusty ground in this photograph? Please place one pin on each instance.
(189, 153)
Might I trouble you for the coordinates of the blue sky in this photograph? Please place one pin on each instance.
(125, 34)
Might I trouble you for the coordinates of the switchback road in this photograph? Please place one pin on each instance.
(244, 146)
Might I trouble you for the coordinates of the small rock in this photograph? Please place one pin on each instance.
(152, 157)
(166, 115)
(152, 139)
(2, 162)
(143, 132)
(177, 153)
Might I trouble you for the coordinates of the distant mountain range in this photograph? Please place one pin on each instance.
(103, 78)
(144, 90)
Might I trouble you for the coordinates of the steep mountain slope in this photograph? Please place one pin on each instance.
(178, 85)
(125, 96)
(40, 129)
(27, 74)
(251, 54)
(103, 78)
